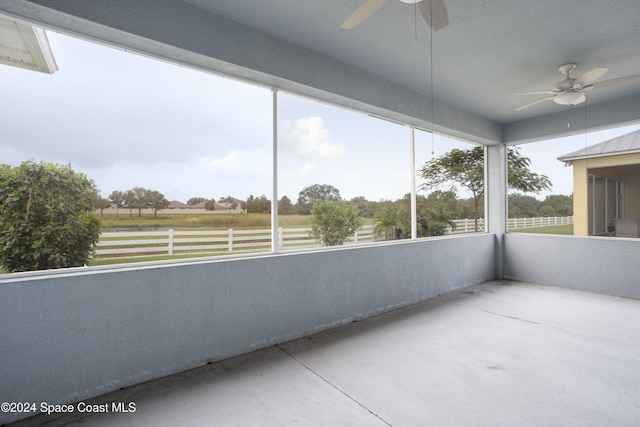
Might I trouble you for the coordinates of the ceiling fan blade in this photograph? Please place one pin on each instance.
(589, 77)
(534, 103)
(617, 82)
(362, 13)
(541, 92)
(435, 13)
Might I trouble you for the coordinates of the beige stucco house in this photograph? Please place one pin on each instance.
(606, 187)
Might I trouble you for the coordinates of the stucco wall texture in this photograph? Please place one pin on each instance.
(73, 334)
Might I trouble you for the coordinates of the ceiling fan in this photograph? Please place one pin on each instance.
(571, 90)
(434, 13)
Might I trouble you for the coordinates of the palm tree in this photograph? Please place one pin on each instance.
(435, 221)
(389, 223)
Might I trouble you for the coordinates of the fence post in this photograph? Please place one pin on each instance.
(171, 241)
(231, 240)
(355, 237)
(280, 237)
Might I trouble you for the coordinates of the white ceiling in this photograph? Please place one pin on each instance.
(490, 51)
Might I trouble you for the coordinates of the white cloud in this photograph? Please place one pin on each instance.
(237, 160)
(306, 168)
(310, 139)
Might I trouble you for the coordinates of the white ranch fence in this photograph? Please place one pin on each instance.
(175, 242)
(178, 242)
(467, 225)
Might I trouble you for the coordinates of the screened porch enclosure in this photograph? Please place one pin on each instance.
(613, 201)
(606, 204)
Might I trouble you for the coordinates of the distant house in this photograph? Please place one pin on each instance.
(174, 204)
(232, 206)
(606, 186)
(198, 205)
(221, 207)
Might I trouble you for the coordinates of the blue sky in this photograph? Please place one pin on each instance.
(126, 120)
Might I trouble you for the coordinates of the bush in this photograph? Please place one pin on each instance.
(46, 217)
(332, 221)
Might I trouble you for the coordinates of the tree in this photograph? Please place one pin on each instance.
(156, 201)
(523, 206)
(314, 193)
(210, 205)
(520, 178)
(546, 210)
(435, 221)
(136, 198)
(332, 221)
(466, 207)
(258, 204)
(466, 168)
(285, 207)
(140, 198)
(117, 198)
(47, 217)
(227, 199)
(366, 208)
(229, 202)
(446, 201)
(195, 200)
(560, 204)
(102, 204)
(388, 223)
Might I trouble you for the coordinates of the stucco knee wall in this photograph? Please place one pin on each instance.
(602, 265)
(70, 335)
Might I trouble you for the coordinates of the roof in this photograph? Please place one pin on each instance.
(177, 204)
(625, 144)
(26, 46)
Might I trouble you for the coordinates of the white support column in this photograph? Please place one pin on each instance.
(274, 174)
(414, 214)
(495, 179)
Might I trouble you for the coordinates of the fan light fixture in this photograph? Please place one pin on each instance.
(571, 90)
(570, 98)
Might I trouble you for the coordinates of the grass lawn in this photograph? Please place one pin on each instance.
(123, 260)
(200, 220)
(550, 229)
(236, 221)
(244, 221)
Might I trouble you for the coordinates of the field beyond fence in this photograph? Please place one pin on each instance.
(218, 241)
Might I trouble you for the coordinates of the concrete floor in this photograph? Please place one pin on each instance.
(496, 354)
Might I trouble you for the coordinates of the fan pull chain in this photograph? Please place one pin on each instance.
(415, 22)
(431, 82)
